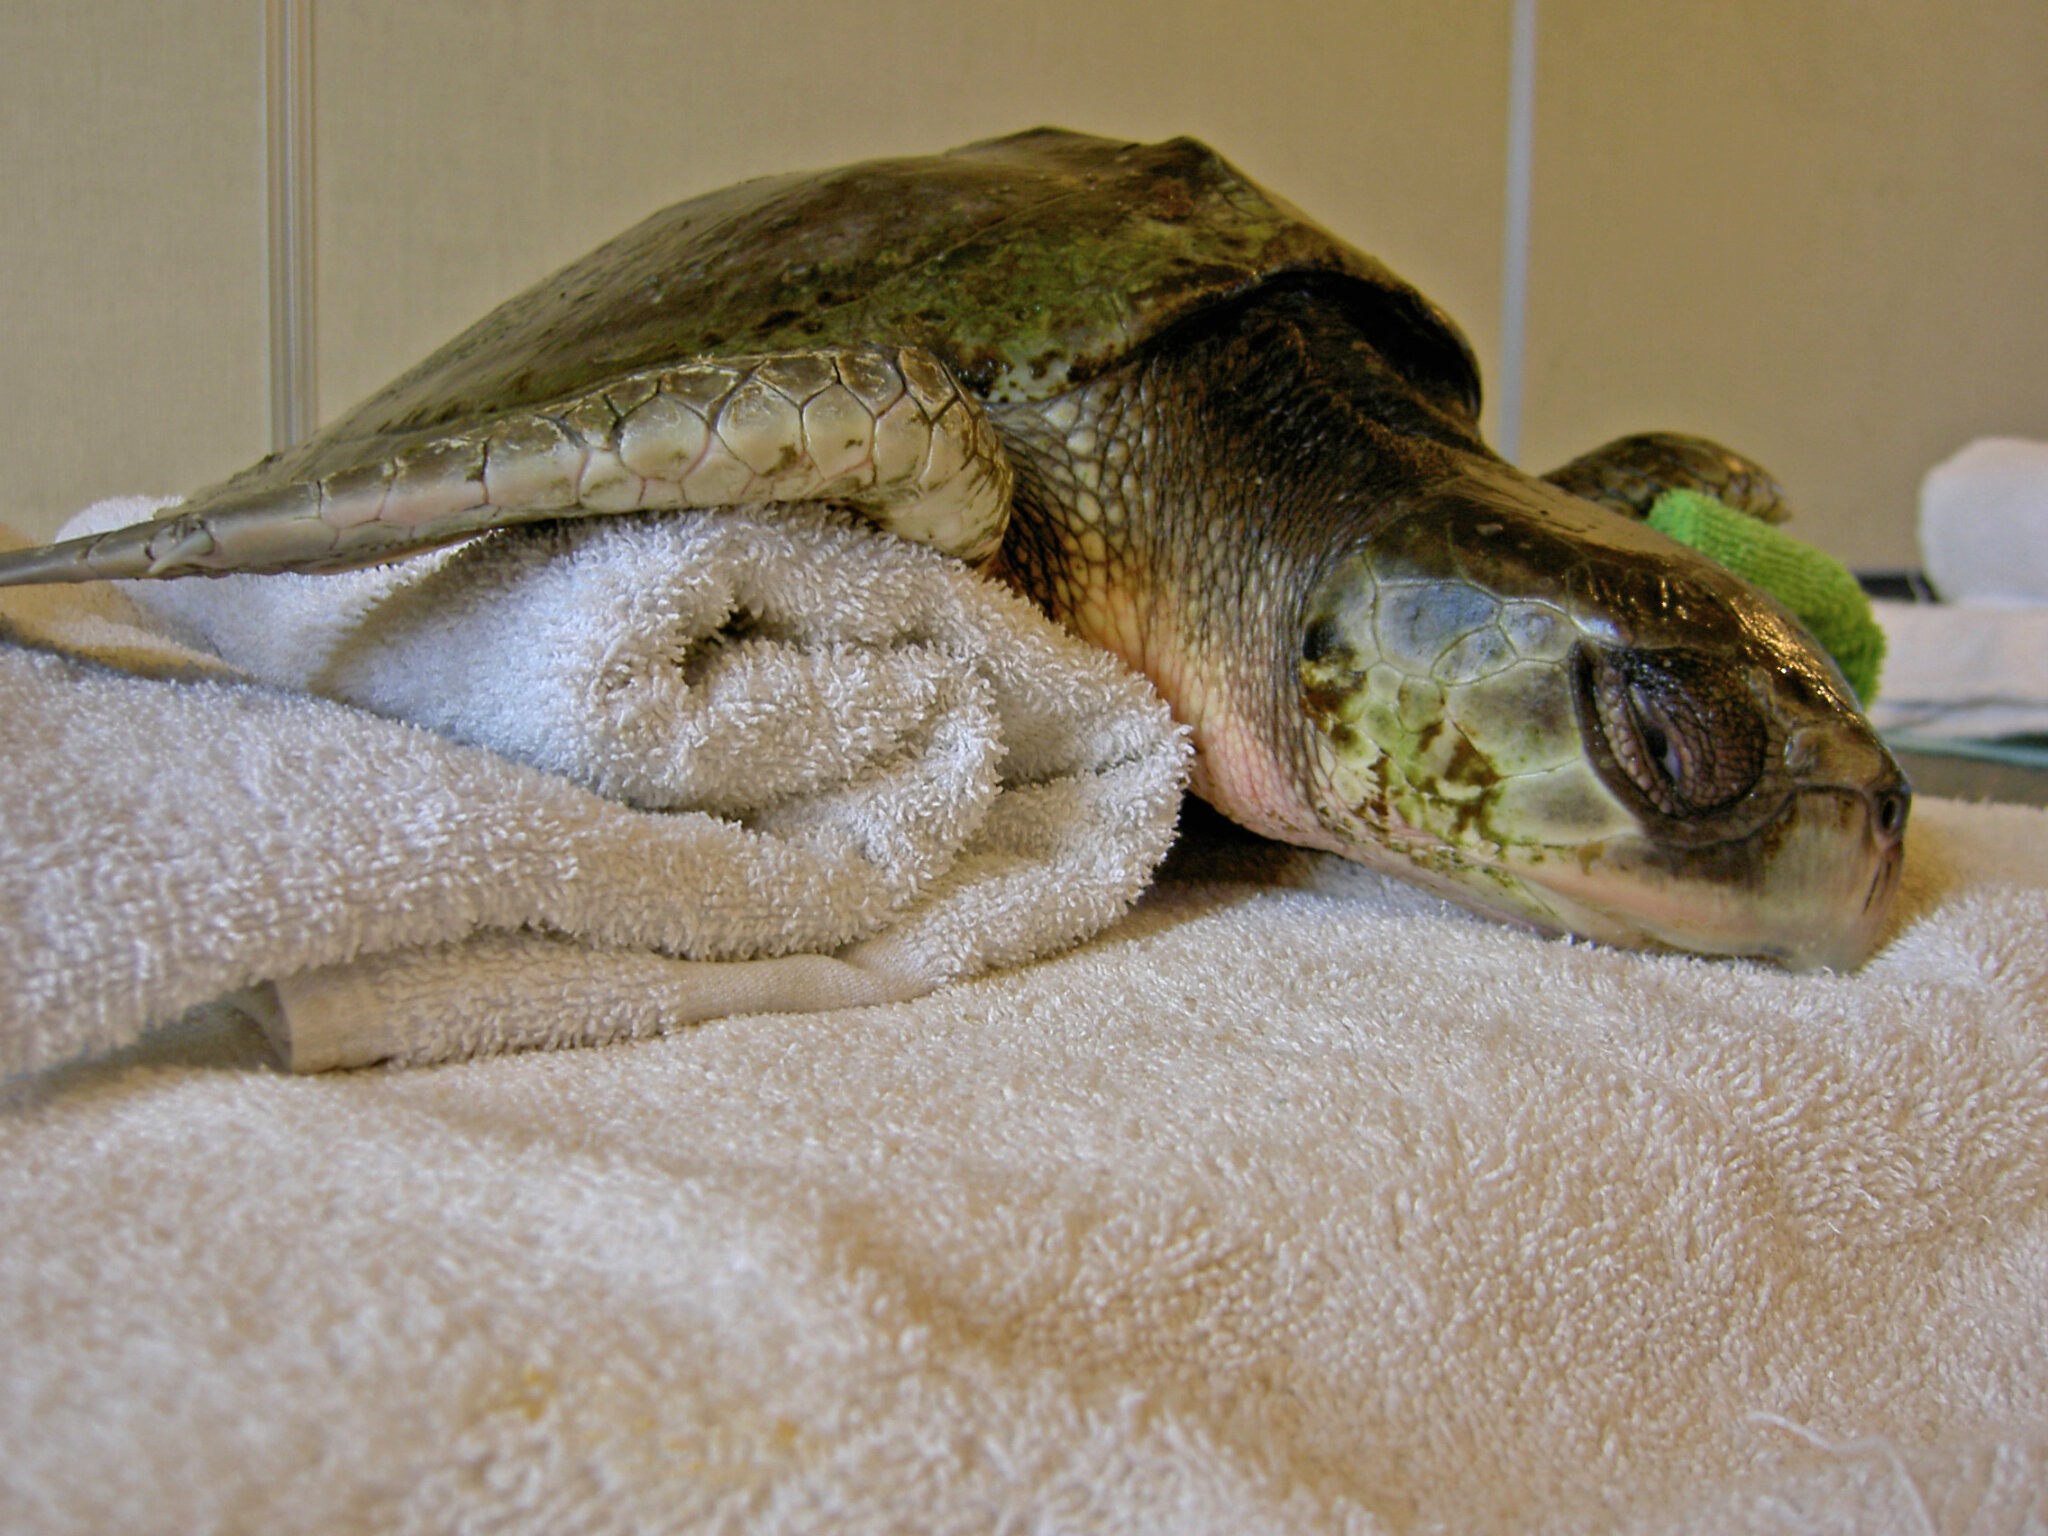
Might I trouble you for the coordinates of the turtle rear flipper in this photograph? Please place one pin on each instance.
(1630, 473)
(886, 431)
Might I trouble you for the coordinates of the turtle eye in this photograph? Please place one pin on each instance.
(1679, 728)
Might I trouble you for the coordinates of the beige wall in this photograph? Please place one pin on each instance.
(1813, 229)
(442, 191)
(133, 350)
(1819, 231)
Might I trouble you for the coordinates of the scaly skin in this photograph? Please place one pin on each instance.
(1390, 644)
(888, 431)
(1630, 473)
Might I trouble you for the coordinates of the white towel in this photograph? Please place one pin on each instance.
(1984, 523)
(821, 766)
(1296, 1202)
(1964, 670)
(1975, 665)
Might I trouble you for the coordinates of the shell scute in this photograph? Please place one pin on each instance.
(1024, 264)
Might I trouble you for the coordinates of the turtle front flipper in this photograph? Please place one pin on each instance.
(887, 431)
(1630, 473)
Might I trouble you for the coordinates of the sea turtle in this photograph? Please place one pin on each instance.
(1208, 435)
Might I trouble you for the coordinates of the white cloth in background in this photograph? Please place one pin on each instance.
(1975, 665)
(1984, 523)
(822, 766)
(1297, 1202)
(1962, 670)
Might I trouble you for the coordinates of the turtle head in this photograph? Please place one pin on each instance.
(1555, 714)
(1392, 645)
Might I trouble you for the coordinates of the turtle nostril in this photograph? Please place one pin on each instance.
(1889, 811)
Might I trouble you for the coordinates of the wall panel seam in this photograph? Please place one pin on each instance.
(288, 163)
(1514, 273)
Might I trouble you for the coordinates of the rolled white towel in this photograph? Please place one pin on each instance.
(1984, 523)
(784, 763)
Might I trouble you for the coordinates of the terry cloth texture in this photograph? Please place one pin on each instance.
(1295, 1202)
(819, 765)
(1966, 670)
(1975, 665)
(1984, 523)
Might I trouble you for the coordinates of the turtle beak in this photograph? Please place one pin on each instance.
(1815, 889)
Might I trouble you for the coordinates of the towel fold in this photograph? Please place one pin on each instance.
(1975, 665)
(675, 768)
(1984, 523)
(1963, 670)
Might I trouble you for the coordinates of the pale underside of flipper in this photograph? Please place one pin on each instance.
(886, 431)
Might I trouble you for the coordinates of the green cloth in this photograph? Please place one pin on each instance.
(1818, 589)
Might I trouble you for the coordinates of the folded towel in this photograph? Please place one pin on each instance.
(1963, 670)
(777, 762)
(1984, 523)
